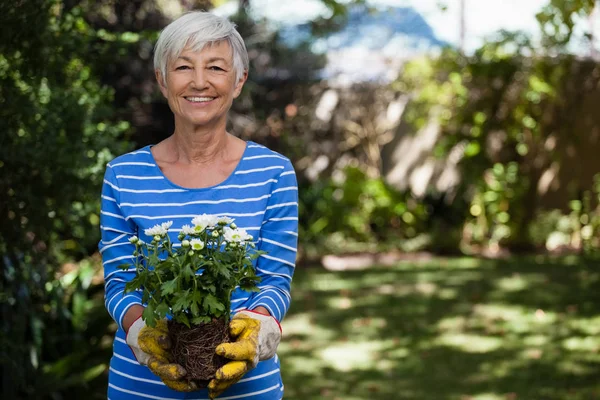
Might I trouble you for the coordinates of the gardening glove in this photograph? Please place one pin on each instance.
(256, 339)
(150, 347)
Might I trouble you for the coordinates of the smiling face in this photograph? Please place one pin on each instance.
(200, 86)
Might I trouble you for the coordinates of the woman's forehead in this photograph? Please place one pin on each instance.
(211, 50)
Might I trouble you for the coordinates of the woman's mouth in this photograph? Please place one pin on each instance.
(197, 99)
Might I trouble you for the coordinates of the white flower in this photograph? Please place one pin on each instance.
(158, 230)
(201, 222)
(224, 220)
(236, 235)
(215, 234)
(197, 244)
(187, 230)
(134, 239)
(185, 243)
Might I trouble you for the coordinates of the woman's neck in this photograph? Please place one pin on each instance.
(198, 145)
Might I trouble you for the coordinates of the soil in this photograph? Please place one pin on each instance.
(194, 348)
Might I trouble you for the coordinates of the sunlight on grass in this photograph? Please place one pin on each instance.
(331, 282)
(303, 364)
(352, 356)
(517, 319)
(487, 396)
(574, 367)
(470, 343)
(535, 340)
(453, 324)
(461, 278)
(588, 343)
(364, 327)
(301, 325)
(446, 329)
(589, 326)
(501, 312)
(334, 282)
(426, 288)
(512, 283)
(455, 263)
(500, 368)
(398, 352)
(339, 303)
(447, 293)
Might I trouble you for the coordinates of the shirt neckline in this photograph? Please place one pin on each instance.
(226, 180)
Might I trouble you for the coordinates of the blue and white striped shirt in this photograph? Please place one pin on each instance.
(261, 195)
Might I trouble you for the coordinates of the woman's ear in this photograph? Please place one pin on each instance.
(161, 82)
(240, 84)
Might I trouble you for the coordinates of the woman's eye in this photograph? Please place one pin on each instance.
(181, 67)
(215, 68)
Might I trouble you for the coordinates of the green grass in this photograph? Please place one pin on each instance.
(462, 329)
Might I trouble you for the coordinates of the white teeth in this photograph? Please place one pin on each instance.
(199, 99)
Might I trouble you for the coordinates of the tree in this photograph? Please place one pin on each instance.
(57, 134)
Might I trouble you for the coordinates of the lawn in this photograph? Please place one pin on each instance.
(463, 328)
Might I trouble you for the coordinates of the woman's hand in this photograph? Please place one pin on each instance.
(256, 339)
(151, 347)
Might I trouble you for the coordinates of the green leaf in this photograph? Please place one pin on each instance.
(201, 320)
(162, 310)
(169, 287)
(194, 308)
(124, 266)
(130, 286)
(148, 315)
(183, 318)
(212, 304)
(249, 284)
(187, 272)
(182, 303)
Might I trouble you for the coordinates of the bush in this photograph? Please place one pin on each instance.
(337, 214)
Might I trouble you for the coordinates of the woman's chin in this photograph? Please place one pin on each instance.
(198, 120)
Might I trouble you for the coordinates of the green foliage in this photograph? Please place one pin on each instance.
(579, 228)
(493, 211)
(498, 108)
(557, 20)
(338, 16)
(360, 208)
(58, 131)
(193, 281)
(74, 360)
(60, 351)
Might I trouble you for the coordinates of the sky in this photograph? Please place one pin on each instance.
(404, 29)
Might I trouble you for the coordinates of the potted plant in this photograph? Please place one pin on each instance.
(192, 281)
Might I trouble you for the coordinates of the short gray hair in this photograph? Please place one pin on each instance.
(197, 29)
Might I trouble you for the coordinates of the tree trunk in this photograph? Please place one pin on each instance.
(462, 26)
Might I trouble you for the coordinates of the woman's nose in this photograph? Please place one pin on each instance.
(199, 78)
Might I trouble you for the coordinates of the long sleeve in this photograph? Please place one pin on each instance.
(279, 238)
(116, 250)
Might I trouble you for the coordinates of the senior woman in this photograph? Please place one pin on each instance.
(201, 65)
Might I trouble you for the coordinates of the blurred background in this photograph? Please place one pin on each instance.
(447, 157)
